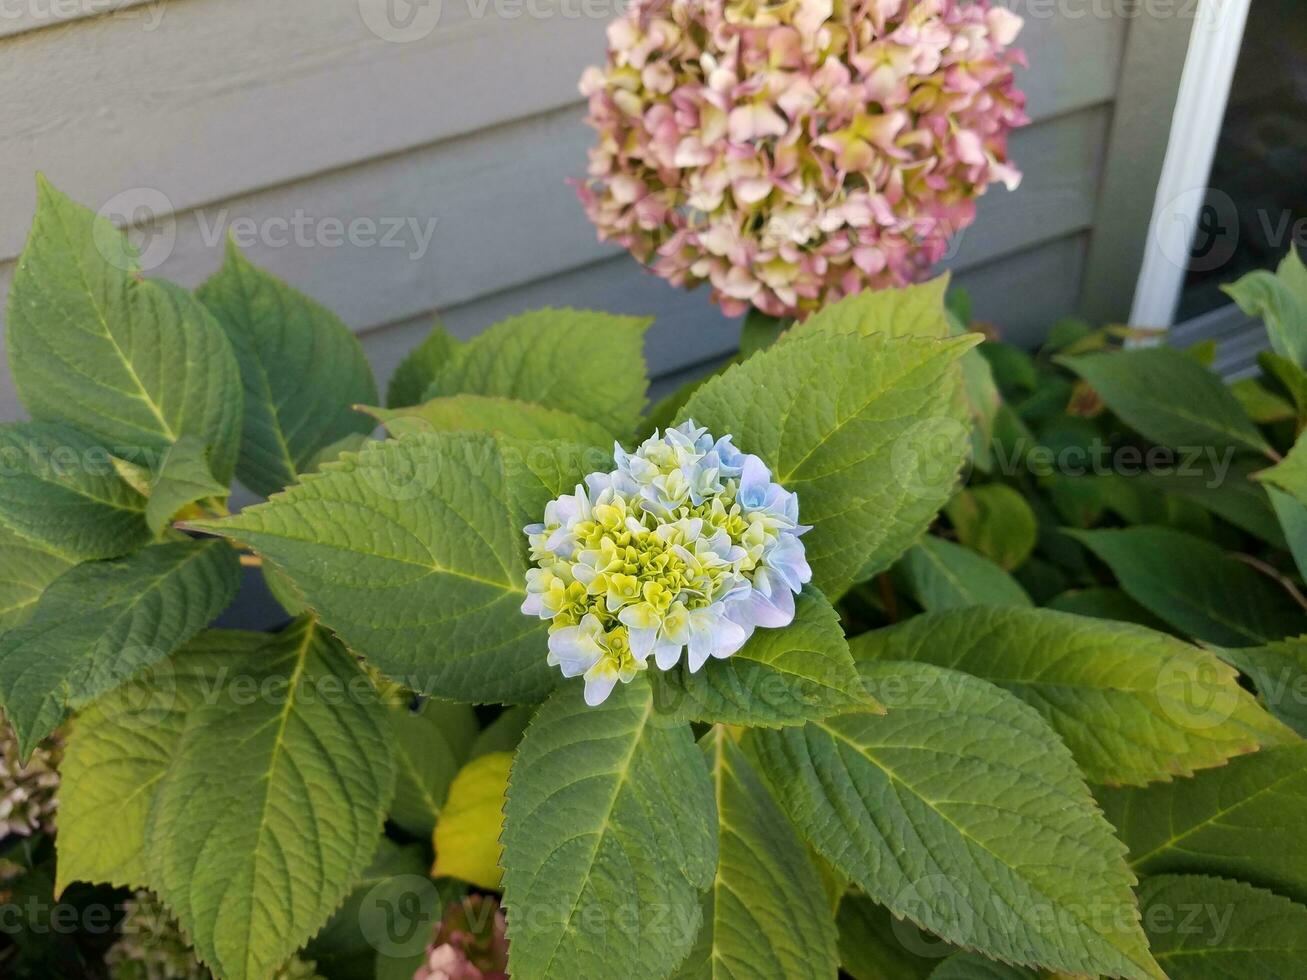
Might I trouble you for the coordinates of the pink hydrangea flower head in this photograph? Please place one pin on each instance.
(790, 153)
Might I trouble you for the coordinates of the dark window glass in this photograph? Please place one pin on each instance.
(1256, 206)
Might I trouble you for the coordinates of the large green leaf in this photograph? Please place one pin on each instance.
(119, 750)
(920, 311)
(1194, 586)
(609, 839)
(60, 491)
(867, 430)
(1281, 301)
(1279, 672)
(302, 368)
(1133, 705)
(1205, 928)
(942, 575)
(961, 810)
(413, 552)
(414, 374)
(484, 413)
(996, 521)
(431, 744)
(294, 781)
(587, 363)
(780, 677)
(1170, 398)
(136, 363)
(1245, 820)
(26, 568)
(766, 915)
(101, 622)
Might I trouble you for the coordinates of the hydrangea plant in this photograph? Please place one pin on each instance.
(803, 777)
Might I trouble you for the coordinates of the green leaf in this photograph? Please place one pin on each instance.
(120, 748)
(996, 521)
(969, 966)
(467, 836)
(1290, 474)
(26, 568)
(1169, 398)
(961, 810)
(1105, 602)
(1262, 405)
(1279, 672)
(295, 781)
(780, 677)
(1292, 516)
(939, 574)
(875, 945)
(414, 374)
(609, 837)
(302, 368)
(766, 915)
(911, 311)
(412, 552)
(183, 479)
(1205, 928)
(135, 363)
(1229, 494)
(867, 430)
(918, 311)
(1280, 301)
(60, 492)
(1195, 586)
(101, 622)
(431, 744)
(1132, 705)
(1245, 820)
(587, 363)
(1288, 378)
(482, 413)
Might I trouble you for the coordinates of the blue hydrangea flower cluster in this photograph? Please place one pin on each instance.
(683, 550)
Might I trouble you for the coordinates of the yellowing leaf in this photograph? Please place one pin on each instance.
(467, 834)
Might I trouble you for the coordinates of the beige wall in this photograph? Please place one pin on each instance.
(265, 109)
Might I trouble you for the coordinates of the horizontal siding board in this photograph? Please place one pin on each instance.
(503, 216)
(1023, 294)
(219, 98)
